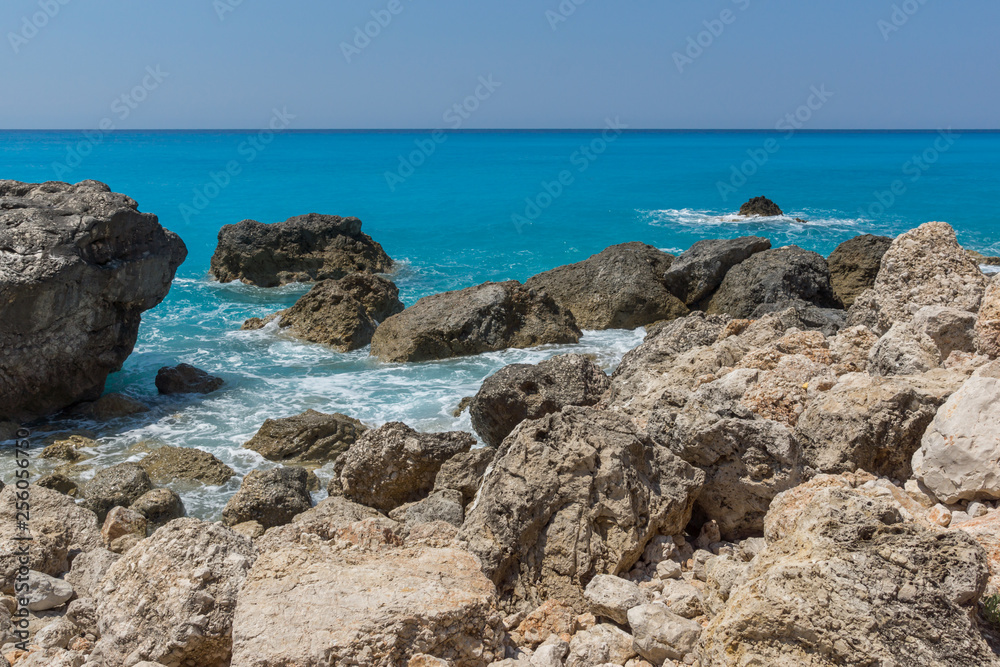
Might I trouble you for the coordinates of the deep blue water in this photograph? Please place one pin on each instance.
(453, 222)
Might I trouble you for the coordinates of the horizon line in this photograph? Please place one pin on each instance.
(517, 130)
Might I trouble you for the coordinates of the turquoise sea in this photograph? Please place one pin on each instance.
(455, 210)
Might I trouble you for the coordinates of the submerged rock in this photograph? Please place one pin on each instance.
(79, 266)
(855, 264)
(621, 287)
(186, 379)
(697, 272)
(311, 437)
(301, 249)
(526, 391)
(485, 318)
(760, 206)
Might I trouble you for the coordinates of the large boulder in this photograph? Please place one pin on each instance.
(959, 457)
(844, 581)
(923, 343)
(330, 516)
(525, 391)
(171, 598)
(988, 322)
(78, 266)
(698, 271)
(159, 506)
(119, 485)
(301, 249)
(923, 267)
(269, 497)
(168, 464)
(340, 313)
(621, 287)
(760, 206)
(311, 437)
(393, 465)
(464, 472)
(572, 495)
(774, 278)
(854, 266)
(485, 318)
(186, 379)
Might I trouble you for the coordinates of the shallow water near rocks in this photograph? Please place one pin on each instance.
(449, 226)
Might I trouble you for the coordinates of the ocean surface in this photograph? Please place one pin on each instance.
(453, 212)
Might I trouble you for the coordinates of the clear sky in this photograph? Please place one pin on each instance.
(229, 63)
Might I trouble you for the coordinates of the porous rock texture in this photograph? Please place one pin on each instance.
(855, 264)
(698, 271)
(310, 437)
(79, 265)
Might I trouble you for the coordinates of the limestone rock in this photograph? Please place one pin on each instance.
(485, 318)
(697, 273)
(172, 597)
(394, 464)
(988, 322)
(855, 264)
(661, 634)
(760, 206)
(310, 437)
(923, 267)
(270, 497)
(168, 464)
(301, 249)
(570, 496)
(443, 505)
(464, 472)
(925, 342)
(78, 267)
(45, 592)
(601, 645)
(325, 520)
(186, 379)
(121, 522)
(959, 456)
(621, 287)
(89, 569)
(109, 406)
(121, 485)
(159, 507)
(68, 449)
(525, 391)
(57, 634)
(611, 597)
(551, 618)
(986, 531)
(58, 482)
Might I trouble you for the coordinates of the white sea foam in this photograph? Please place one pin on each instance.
(688, 217)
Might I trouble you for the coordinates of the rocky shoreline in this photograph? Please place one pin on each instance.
(799, 465)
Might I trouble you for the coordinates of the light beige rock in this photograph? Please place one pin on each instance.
(986, 531)
(988, 322)
(661, 634)
(122, 521)
(551, 618)
(45, 592)
(611, 597)
(88, 570)
(57, 634)
(602, 644)
(682, 598)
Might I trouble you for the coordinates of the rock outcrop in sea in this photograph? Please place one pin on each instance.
(760, 206)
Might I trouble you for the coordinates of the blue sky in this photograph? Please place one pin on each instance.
(230, 63)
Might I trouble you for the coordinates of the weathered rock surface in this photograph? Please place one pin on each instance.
(464, 472)
(340, 313)
(661, 634)
(959, 456)
(121, 484)
(58, 482)
(159, 506)
(845, 582)
(186, 379)
(855, 264)
(572, 495)
(925, 342)
(325, 520)
(761, 206)
(988, 322)
(604, 644)
(45, 592)
(301, 249)
(772, 277)
(442, 505)
(79, 266)
(697, 273)
(269, 497)
(393, 465)
(611, 597)
(621, 287)
(311, 437)
(923, 267)
(89, 569)
(986, 531)
(122, 522)
(171, 598)
(167, 463)
(485, 318)
(109, 406)
(526, 391)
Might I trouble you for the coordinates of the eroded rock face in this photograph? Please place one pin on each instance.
(485, 318)
(572, 495)
(393, 465)
(761, 206)
(79, 265)
(121, 485)
(171, 598)
(845, 582)
(270, 497)
(526, 391)
(621, 287)
(988, 322)
(311, 437)
(464, 472)
(697, 273)
(774, 277)
(301, 249)
(923, 343)
(855, 264)
(168, 463)
(186, 379)
(923, 267)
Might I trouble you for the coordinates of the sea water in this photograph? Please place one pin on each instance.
(455, 211)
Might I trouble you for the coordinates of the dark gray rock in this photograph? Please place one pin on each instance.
(270, 497)
(117, 486)
(761, 206)
(310, 437)
(78, 266)
(854, 266)
(186, 379)
(697, 273)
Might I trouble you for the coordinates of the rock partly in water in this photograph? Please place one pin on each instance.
(270, 497)
(485, 318)
(621, 287)
(79, 266)
(308, 438)
(855, 264)
(988, 321)
(159, 506)
(301, 249)
(525, 391)
(697, 273)
(760, 206)
(167, 464)
(186, 379)
(58, 482)
(119, 485)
